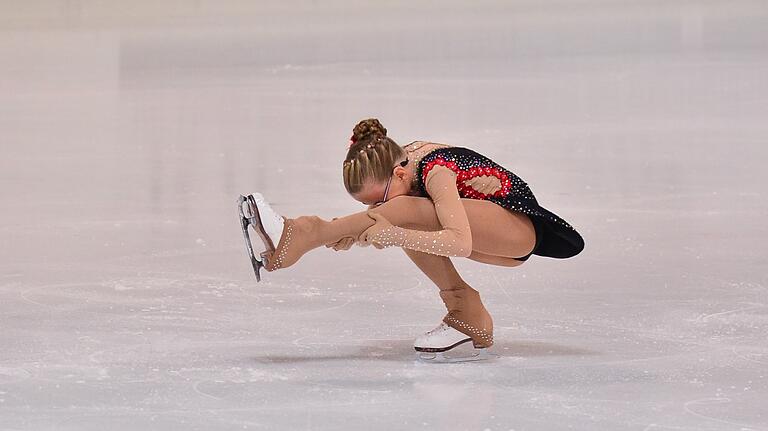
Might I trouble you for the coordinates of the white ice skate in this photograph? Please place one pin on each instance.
(433, 345)
(268, 224)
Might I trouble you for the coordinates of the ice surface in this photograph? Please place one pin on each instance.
(127, 130)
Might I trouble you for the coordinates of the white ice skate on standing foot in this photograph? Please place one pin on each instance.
(433, 346)
(268, 224)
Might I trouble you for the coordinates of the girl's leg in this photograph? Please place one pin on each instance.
(466, 312)
(496, 231)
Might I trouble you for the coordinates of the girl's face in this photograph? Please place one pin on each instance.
(373, 193)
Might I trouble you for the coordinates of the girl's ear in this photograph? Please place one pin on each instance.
(400, 172)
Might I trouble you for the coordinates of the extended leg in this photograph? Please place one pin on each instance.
(495, 230)
(466, 312)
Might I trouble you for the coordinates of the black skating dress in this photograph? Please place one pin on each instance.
(554, 236)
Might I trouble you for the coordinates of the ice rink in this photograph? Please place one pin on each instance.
(128, 129)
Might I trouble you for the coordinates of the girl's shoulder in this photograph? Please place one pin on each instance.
(413, 145)
(416, 145)
(418, 150)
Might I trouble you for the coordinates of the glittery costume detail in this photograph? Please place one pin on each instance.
(447, 174)
(559, 238)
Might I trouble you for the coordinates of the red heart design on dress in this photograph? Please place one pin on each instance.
(465, 190)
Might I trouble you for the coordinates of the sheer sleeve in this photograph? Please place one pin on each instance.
(455, 239)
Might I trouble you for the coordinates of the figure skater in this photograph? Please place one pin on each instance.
(435, 201)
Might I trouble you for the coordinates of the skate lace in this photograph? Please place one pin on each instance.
(442, 327)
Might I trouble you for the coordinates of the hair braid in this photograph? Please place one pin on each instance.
(371, 155)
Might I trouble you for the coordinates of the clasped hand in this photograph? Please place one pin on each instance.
(366, 238)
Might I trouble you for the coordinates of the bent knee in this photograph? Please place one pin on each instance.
(410, 212)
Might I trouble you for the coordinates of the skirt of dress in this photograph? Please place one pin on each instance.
(555, 237)
(557, 240)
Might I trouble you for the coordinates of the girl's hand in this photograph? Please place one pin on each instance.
(370, 235)
(343, 244)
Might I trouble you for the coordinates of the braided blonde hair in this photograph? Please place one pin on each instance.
(371, 155)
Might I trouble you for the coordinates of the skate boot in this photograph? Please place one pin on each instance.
(467, 320)
(268, 225)
(435, 344)
(286, 240)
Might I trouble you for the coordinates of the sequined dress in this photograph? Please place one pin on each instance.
(555, 237)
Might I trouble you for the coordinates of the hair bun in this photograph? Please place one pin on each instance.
(367, 128)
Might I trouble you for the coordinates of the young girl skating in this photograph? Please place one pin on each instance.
(435, 201)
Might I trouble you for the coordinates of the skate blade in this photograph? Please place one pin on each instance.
(249, 218)
(249, 213)
(442, 358)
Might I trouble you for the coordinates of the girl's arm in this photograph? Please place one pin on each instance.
(455, 239)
